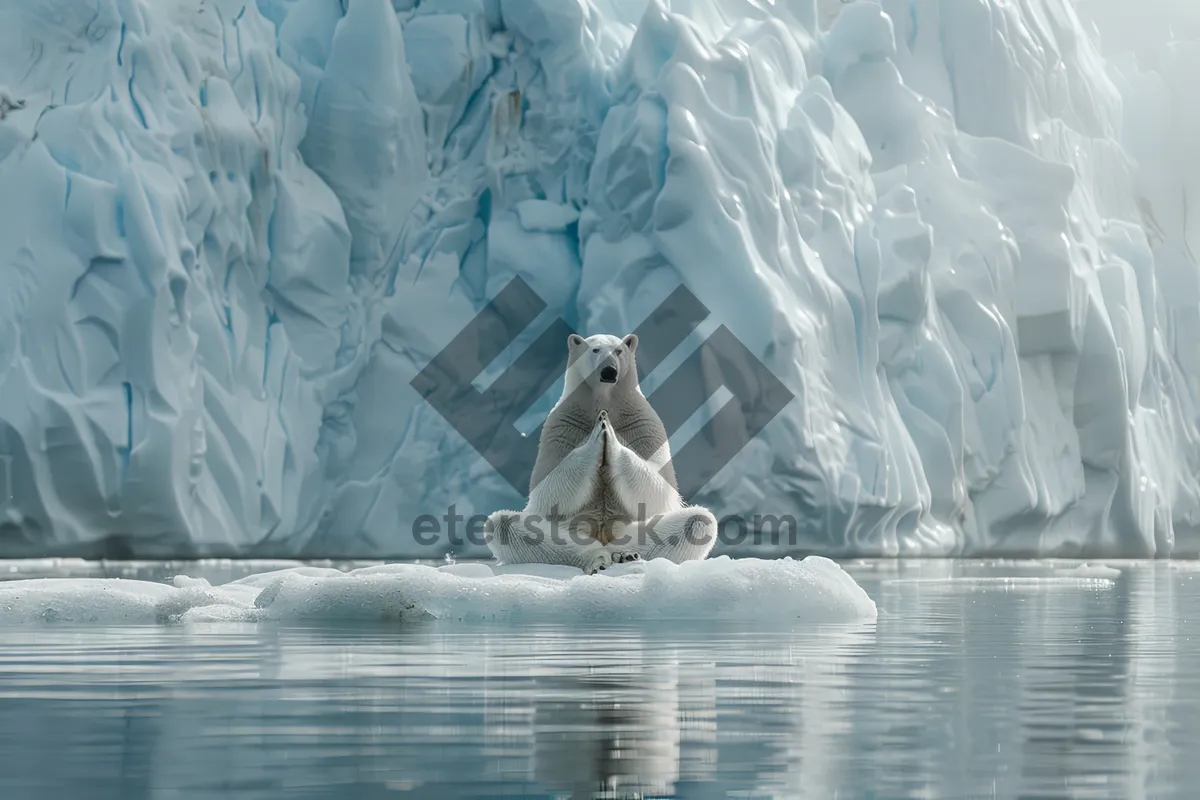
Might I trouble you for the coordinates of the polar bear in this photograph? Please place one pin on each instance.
(603, 489)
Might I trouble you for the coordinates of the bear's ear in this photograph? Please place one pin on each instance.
(575, 340)
(631, 342)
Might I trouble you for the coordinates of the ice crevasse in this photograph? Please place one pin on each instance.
(231, 234)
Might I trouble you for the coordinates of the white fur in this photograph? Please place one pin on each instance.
(599, 348)
(660, 521)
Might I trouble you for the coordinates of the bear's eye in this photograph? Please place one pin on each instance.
(616, 352)
(595, 349)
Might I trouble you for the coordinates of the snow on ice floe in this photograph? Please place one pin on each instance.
(233, 232)
(814, 590)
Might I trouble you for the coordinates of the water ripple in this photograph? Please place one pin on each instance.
(1004, 680)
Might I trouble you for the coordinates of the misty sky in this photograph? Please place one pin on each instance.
(1141, 25)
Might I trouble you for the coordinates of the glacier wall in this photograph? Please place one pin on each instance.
(231, 235)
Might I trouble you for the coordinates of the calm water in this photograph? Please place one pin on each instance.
(966, 687)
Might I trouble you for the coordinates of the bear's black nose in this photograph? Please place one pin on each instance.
(608, 375)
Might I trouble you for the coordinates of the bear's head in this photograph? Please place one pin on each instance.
(603, 362)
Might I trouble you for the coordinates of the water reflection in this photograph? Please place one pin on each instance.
(205, 710)
(962, 689)
(608, 730)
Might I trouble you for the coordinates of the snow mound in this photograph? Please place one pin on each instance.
(232, 234)
(814, 590)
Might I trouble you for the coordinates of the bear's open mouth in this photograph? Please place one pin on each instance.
(608, 375)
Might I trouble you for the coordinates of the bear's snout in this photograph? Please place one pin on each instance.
(608, 374)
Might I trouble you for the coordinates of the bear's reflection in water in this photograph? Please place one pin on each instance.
(615, 735)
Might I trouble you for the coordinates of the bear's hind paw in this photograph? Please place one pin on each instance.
(598, 564)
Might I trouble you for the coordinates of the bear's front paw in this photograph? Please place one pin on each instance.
(608, 431)
(625, 557)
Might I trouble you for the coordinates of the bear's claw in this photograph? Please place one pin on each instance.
(598, 564)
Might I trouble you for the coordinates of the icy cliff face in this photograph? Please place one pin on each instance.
(231, 235)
